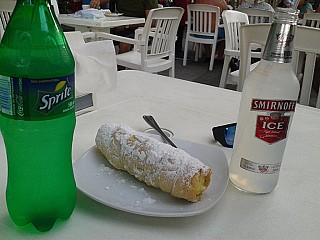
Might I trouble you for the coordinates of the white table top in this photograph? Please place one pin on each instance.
(98, 24)
(190, 110)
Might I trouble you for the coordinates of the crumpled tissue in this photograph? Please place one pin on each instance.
(90, 13)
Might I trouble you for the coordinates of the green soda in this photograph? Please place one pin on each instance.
(37, 117)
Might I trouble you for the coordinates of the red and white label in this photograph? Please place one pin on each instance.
(273, 126)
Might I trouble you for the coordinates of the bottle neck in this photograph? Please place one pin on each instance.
(279, 46)
(35, 3)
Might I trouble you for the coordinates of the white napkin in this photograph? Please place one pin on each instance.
(96, 68)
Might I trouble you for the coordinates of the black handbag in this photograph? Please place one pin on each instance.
(234, 64)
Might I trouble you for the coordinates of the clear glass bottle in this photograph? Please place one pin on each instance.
(267, 105)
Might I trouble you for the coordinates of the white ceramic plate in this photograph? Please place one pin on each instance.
(113, 14)
(97, 179)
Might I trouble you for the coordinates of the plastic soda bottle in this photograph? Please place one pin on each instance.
(37, 117)
(266, 110)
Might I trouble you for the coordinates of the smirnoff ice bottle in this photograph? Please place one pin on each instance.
(267, 106)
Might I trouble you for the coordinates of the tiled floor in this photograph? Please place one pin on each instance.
(197, 72)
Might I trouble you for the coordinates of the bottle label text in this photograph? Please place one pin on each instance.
(36, 99)
(272, 126)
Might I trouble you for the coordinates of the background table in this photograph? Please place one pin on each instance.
(190, 110)
(97, 25)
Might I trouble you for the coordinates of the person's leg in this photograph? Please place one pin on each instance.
(220, 44)
(179, 39)
(178, 45)
(219, 49)
(124, 47)
(124, 32)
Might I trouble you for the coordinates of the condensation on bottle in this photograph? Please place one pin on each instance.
(37, 116)
(266, 110)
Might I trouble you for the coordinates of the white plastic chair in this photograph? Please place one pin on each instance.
(258, 33)
(54, 3)
(311, 20)
(257, 15)
(156, 46)
(76, 38)
(232, 21)
(199, 29)
(6, 9)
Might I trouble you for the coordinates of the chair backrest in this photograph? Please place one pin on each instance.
(160, 31)
(257, 15)
(258, 33)
(252, 33)
(6, 9)
(54, 3)
(203, 19)
(311, 20)
(232, 21)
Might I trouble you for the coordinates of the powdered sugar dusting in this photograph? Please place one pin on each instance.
(148, 200)
(144, 196)
(106, 170)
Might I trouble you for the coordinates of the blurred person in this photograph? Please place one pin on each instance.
(178, 46)
(94, 3)
(305, 7)
(131, 8)
(284, 4)
(316, 6)
(257, 4)
(164, 3)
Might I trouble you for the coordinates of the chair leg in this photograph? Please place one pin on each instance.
(307, 79)
(172, 71)
(185, 53)
(200, 50)
(225, 70)
(213, 52)
(318, 100)
(211, 62)
(197, 52)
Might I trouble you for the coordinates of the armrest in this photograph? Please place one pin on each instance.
(119, 38)
(138, 31)
(87, 35)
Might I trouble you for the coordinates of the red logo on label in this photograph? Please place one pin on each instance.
(263, 168)
(273, 128)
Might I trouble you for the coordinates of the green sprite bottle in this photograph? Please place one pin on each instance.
(37, 117)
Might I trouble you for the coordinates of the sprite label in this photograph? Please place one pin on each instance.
(36, 99)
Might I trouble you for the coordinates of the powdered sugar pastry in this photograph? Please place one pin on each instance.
(155, 163)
